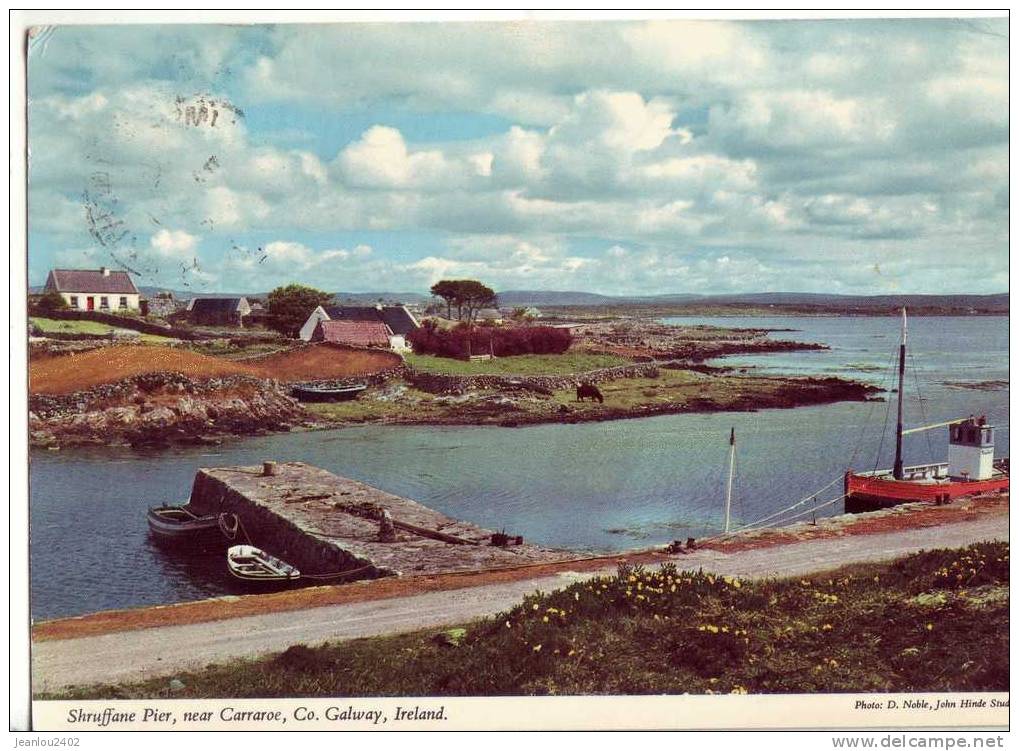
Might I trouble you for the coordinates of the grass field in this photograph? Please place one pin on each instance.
(83, 370)
(934, 621)
(50, 325)
(569, 362)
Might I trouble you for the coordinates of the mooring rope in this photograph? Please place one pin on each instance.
(230, 531)
(810, 510)
(781, 512)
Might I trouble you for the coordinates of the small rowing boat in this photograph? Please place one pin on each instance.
(251, 564)
(327, 393)
(179, 524)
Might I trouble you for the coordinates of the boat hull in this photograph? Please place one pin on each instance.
(176, 525)
(309, 394)
(255, 567)
(870, 493)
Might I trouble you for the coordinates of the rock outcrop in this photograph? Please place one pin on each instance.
(162, 409)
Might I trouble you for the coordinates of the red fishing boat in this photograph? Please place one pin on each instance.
(971, 467)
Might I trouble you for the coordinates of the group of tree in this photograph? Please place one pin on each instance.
(289, 307)
(467, 296)
(464, 340)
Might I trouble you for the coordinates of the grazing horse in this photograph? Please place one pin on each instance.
(589, 391)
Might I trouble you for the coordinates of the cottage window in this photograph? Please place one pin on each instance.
(74, 301)
(104, 302)
(123, 302)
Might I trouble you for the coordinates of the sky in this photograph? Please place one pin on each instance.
(650, 157)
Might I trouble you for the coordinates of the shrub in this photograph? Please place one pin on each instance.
(48, 302)
(500, 341)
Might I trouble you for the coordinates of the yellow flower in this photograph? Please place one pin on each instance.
(535, 606)
(509, 625)
(930, 626)
(545, 618)
(738, 690)
(826, 627)
(537, 648)
(737, 585)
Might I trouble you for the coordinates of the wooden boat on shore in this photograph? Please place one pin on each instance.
(327, 393)
(971, 467)
(180, 525)
(251, 564)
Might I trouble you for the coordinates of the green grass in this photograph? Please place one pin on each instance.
(569, 362)
(50, 325)
(71, 327)
(934, 621)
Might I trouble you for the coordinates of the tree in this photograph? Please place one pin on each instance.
(290, 306)
(468, 295)
(475, 296)
(448, 291)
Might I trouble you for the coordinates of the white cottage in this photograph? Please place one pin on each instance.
(94, 289)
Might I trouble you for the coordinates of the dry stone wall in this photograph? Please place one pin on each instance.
(436, 383)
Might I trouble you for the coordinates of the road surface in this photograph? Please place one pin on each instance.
(168, 650)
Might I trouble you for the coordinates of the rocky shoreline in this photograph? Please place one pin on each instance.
(162, 410)
(501, 411)
(165, 409)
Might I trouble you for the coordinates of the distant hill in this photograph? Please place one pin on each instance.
(997, 303)
(514, 298)
(373, 297)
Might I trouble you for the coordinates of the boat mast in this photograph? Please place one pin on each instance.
(897, 467)
(732, 467)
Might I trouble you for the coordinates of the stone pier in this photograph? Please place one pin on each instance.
(326, 524)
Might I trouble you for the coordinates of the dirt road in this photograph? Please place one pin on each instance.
(134, 655)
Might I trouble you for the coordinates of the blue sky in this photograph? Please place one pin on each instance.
(624, 158)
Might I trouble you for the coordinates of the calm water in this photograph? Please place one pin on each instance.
(610, 485)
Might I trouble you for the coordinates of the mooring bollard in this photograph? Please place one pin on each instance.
(387, 530)
(269, 469)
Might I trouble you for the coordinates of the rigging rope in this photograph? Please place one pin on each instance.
(884, 431)
(777, 514)
(870, 412)
(923, 406)
(810, 510)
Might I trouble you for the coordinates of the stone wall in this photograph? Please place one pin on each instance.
(436, 383)
(124, 322)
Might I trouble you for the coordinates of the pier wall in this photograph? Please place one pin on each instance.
(325, 524)
(273, 532)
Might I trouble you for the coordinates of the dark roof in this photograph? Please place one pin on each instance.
(353, 313)
(397, 317)
(216, 304)
(91, 280)
(360, 333)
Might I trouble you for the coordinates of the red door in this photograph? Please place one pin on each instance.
(90, 303)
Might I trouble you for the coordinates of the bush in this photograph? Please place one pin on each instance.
(500, 341)
(48, 302)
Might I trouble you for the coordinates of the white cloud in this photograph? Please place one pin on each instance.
(174, 244)
(677, 142)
